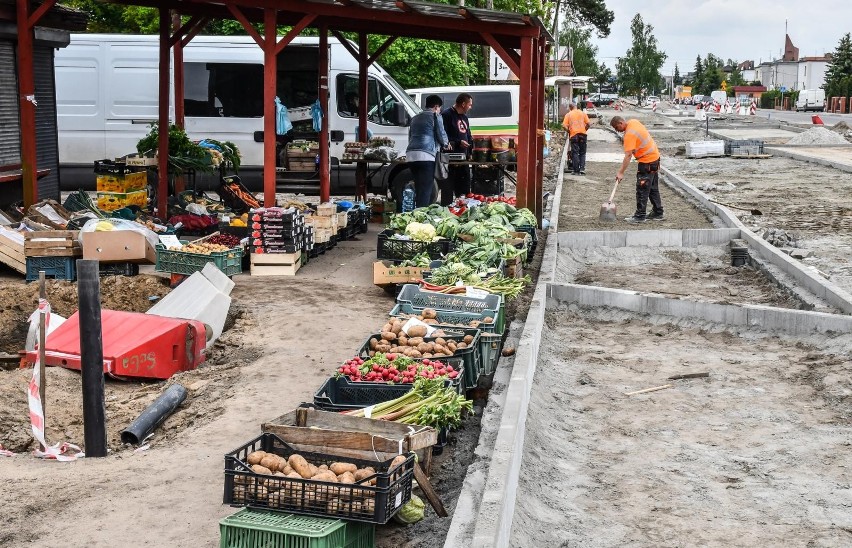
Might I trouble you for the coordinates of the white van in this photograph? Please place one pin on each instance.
(719, 96)
(811, 99)
(495, 108)
(107, 96)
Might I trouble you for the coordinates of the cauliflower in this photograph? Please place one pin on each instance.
(421, 231)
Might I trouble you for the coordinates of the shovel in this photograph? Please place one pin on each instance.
(753, 211)
(608, 208)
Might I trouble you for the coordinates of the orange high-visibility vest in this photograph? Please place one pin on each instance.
(638, 140)
(576, 121)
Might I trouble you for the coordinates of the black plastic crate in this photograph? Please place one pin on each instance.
(118, 269)
(392, 249)
(243, 487)
(341, 394)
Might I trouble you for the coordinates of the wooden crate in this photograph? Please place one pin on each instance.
(342, 219)
(52, 243)
(275, 264)
(322, 221)
(322, 235)
(327, 209)
(12, 254)
(327, 432)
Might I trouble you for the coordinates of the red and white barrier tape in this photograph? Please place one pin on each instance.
(5, 452)
(61, 452)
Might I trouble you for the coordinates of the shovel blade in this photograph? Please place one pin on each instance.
(608, 212)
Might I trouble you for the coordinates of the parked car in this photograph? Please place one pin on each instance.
(603, 99)
(651, 100)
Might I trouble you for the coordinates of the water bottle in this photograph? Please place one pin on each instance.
(407, 199)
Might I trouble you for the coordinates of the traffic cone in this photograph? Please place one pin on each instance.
(817, 121)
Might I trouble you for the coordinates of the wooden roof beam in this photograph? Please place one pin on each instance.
(294, 32)
(179, 33)
(240, 16)
(39, 12)
(403, 6)
(194, 31)
(381, 49)
(508, 55)
(345, 43)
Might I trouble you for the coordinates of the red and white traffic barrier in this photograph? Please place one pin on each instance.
(654, 106)
(752, 110)
(61, 452)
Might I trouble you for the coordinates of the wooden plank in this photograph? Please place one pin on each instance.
(10, 259)
(55, 252)
(751, 156)
(276, 258)
(52, 234)
(429, 491)
(688, 376)
(49, 244)
(646, 390)
(275, 270)
(359, 441)
(12, 248)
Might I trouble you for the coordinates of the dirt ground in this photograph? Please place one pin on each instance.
(286, 337)
(756, 454)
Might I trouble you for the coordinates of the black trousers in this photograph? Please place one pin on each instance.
(458, 183)
(578, 152)
(648, 187)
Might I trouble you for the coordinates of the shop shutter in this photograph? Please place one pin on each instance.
(47, 146)
(10, 135)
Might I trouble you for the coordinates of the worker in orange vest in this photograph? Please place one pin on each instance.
(639, 144)
(576, 123)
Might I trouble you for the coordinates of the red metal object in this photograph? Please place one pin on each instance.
(135, 345)
(325, 175)
(163, 117)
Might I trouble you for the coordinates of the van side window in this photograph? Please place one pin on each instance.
(491, 104)
(232, 90)
(380, 101)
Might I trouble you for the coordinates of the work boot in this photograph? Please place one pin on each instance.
(635, 220)
(656, 217)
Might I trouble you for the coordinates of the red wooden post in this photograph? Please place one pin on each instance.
(325, 176)
(270, 72)
(179, 75)
(364, 99)
(524, 143)
(538, 188)
(27, 106)
(163, 145)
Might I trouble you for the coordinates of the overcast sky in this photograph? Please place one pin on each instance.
(740, 30)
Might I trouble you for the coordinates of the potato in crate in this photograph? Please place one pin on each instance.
(267, 473)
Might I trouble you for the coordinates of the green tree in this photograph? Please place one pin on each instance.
(838, 74)
(585, 53)
(639, 70)
(423, 63)
(602, 76)
(736, 77)
(676, 79)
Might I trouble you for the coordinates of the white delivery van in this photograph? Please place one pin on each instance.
(495, 108)
(719, 96)
(107, 96)
(811, 99)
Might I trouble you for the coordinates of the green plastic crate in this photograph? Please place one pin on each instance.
(259, 529)
(449, 319)
(419, 299)
(179, 262)
(490, 345)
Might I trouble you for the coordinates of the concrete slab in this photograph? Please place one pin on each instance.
(218, 278)
(611, 157)
(838, 157)
(196, 299)
(591, 238)
(762, 133)
(654, 238)
(709, 236)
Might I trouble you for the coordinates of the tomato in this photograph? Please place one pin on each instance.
(390, 357)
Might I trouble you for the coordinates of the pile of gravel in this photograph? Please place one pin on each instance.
(818, 136)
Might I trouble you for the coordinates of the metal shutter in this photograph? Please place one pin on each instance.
(10, 125)
(47, 146)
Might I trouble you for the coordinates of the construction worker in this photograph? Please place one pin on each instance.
(576, 123)
(639, 144)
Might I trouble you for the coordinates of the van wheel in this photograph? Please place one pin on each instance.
(401, 180)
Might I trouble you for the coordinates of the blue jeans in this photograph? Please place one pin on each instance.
(423, 174)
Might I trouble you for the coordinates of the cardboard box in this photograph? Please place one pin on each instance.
(385, 273)
(118, 246)
(122, 183)
(110, 201)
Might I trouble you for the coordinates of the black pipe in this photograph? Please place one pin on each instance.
(92, 358)
(154, 415)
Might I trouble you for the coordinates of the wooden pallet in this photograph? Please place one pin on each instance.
(751, 156)
(12, 255)
(52, 243)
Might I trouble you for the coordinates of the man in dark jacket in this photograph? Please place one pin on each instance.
(461, 140)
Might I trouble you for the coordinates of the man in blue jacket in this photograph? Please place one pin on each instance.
(458, 132)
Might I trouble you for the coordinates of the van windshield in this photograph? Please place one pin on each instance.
(406, 99)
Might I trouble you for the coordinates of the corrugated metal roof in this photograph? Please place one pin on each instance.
(58, 17)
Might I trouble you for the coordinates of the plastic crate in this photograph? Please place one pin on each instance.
(465, 359)
(492, 305)
(341, 394)
(179, 262)
(450, 319)
(490, 345)
(744, 146)
(264, 529)
(59, 268)
(391, 249)
(308, 497)
(118, 269)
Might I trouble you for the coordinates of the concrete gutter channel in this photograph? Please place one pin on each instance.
(486, 506)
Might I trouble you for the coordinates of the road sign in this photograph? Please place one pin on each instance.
(499, 70)
(783, 89)
(724, 85)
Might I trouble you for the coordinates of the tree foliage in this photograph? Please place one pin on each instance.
(676, 78)
(639, 70)
(708, 75)
(838, 74)
(585, 52)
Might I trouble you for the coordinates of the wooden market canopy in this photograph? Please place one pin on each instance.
(520, 40)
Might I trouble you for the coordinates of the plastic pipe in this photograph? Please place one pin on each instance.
(154, 415)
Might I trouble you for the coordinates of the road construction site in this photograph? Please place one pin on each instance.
(586, 436)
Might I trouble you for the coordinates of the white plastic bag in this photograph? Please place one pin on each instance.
(121, 224)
